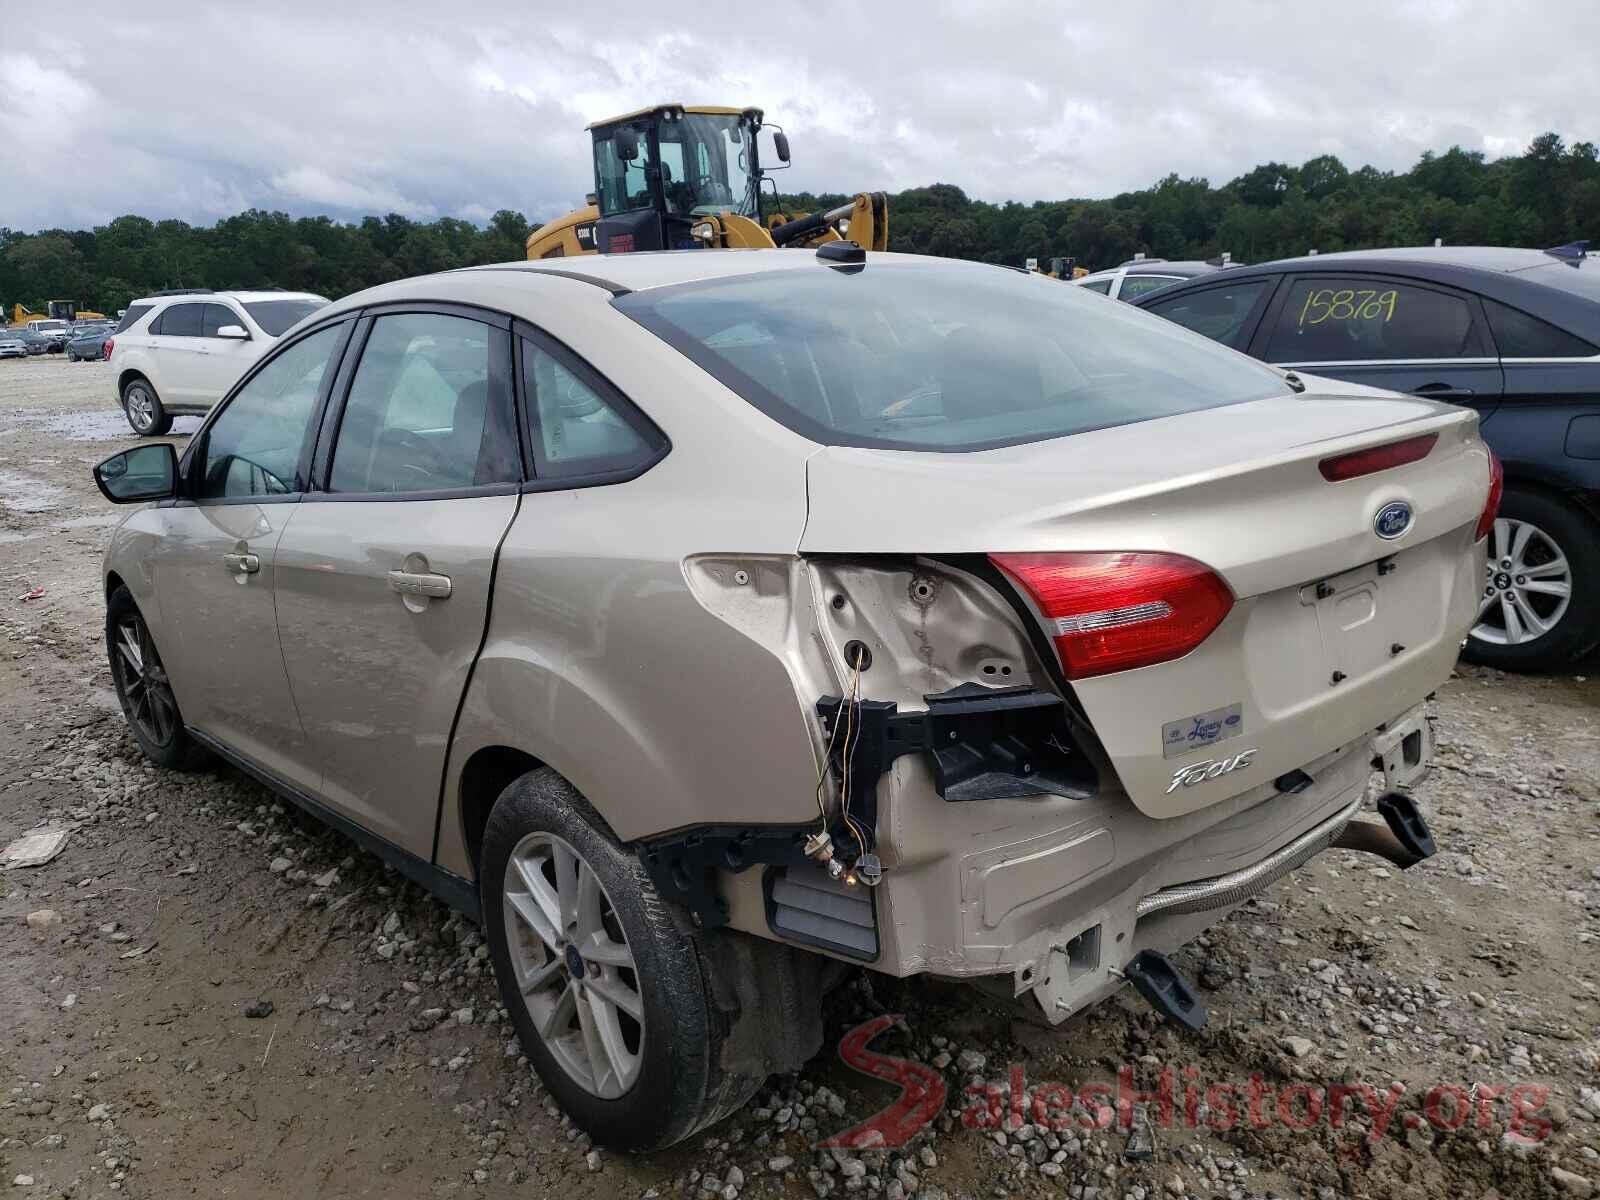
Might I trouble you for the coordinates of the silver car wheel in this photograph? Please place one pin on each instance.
(573, 966)
(1528, 585)
(141, 407)
(151, 706)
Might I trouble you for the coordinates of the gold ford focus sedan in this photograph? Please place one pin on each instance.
(706, 623)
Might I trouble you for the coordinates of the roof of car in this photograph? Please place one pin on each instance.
(1480, 258)
(641, 270)
(199, 295)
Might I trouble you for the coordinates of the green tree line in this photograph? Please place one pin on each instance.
(1548, 195)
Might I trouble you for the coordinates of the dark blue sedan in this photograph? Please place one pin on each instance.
(88, 345)
(1512, 333)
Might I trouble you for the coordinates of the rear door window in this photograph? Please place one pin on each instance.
(426, 412)
(579, 427)
(1220, 313)
(1333, 319)
(181, 320)
(1517, 335)
(1134, 286)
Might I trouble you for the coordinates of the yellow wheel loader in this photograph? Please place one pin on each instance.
(683, 178)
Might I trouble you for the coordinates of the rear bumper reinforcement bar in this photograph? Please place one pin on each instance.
(1238, 886)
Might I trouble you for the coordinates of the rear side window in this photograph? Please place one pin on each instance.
(1219, 313)
(576, 429)
(426, 412)
(133, 314)
(940, 356)
(180, 320)
(1134, 286)
(1344, 319)
(1520, 336)
(1103, 286)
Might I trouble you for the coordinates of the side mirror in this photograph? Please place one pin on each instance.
(237, 332)
(143, 473)
(626, 140)
(780, 141)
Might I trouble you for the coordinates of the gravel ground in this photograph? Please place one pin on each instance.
(207, 994)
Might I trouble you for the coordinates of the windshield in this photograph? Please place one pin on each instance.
(953, 356)
(276, 316)
(706, 164)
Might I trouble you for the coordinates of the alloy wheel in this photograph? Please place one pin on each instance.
(141, 407)
(573, 966)
(151, 705)
(1528, 585)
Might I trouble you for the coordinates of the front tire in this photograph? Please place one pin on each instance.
(1540, 604)
(606, 984)
(143, 689)
(144, 410)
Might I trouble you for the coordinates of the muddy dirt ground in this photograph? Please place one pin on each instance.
(131, 1063)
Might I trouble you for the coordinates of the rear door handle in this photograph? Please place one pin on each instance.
(1441, 391)
(242, 564)
(416, 583)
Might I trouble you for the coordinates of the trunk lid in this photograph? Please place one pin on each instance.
(1317, 590)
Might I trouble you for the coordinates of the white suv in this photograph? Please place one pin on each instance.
(176, 353)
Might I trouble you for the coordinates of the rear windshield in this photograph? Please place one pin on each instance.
(275, 316)
(946, 356)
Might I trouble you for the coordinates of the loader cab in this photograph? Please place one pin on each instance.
(658, 169)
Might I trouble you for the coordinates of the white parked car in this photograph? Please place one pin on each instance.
(180, 352)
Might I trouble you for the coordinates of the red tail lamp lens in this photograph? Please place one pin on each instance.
(1116, 610)
(1491, 504)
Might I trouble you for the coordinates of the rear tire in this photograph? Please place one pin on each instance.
(143, 689)
(144, 409)
(1540, 544)
(677, 1067)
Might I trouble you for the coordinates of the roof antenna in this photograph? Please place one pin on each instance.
(1572, 253)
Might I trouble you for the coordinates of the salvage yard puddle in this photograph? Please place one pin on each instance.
(109, 426)
(25, 494)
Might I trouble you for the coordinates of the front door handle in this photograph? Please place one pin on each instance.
(1441, 391)
(242, 564)
(419, 583)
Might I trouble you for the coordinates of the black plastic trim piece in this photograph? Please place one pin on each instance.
(682, 864)
(770, 877)
(460, 894)
(1164, 986)
(986, 744)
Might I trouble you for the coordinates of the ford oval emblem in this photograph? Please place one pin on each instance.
(1393, 519)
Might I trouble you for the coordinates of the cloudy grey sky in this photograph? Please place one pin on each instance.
(344, 107)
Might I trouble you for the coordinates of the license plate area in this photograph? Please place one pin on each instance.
(1367, 617)
(1405, 748)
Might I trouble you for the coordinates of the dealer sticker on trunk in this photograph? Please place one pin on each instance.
(1201, 730)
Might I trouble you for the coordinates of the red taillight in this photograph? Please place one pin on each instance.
(1116, 610)
(106, 352)
(1491, 504)
(1376, 458)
